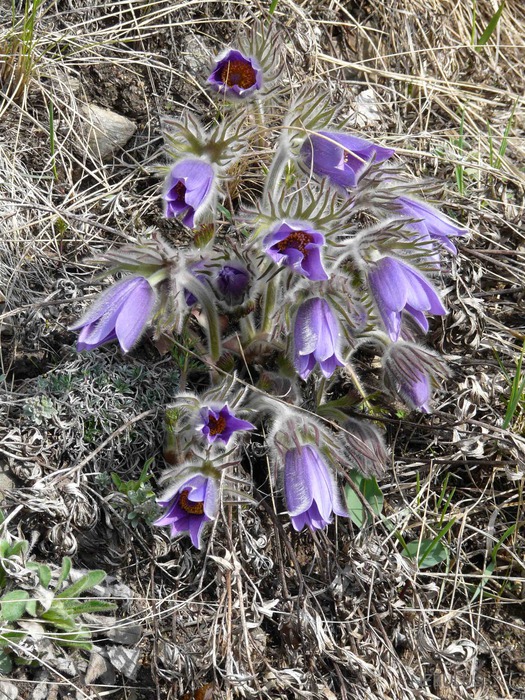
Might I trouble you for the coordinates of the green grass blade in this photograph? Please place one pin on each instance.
(517, 391)
(491, 26)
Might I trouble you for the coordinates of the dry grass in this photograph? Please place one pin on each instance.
(263, 612)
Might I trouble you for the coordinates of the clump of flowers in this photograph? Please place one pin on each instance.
(276, 296)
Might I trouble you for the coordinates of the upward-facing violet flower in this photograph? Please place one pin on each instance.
(341, 157)
(189, 506)
(397, 286)
(187, 189)
(298, 246)
(310, 489)
(122, 312)
(431, 222)
(235, 75)
(220, 424)
(316, 338)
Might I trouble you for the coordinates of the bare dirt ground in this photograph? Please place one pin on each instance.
(262, 612)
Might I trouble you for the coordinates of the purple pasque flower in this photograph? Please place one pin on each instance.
(397, 286)
(297, 245)
(431, 224)
(406, 373)
(190, 506)
(236, 75)
(187, 187)
(232, 281)
(221, 423)
(197, 269)
(341, 157)
(122, 312)
(310, 489)
(316, 338)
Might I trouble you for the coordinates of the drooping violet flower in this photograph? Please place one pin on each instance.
(220, 424)
(194, 503)
(235, 75)
(122, 312)
(397, 286)
(310, 489)
(343, 160)
(188, 186)
(365, 447)
(232, 281)
(432, 224)
(298, 246)
(316, 338)
(408, 370)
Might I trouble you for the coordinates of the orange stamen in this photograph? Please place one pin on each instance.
(296, 239)
(216, 425)
(191, 507)
(238, 73)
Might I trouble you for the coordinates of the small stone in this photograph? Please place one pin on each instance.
(107, 131)
(97, 667)
(128, 635)
(8, 691)
(125, 661)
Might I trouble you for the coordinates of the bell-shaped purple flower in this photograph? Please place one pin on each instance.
(220, 424)
(298, 246)
(317, 338)
(232, 281)
(397, 286)
(341, 157)
(310, 489)
(406, 373)
(122, 312)
(432, 224)
(187, 189)
(235, 75)
(189, 506)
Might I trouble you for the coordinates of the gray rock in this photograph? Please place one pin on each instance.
(128, 635)
(125, 661)
(8, 691)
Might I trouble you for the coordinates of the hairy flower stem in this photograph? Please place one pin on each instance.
(268, 305)
(320, 391)
(247, 330)
(259, 117)
(357, 383)
(275, 173)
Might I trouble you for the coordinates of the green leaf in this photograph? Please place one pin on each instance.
(13, 605)
(491, 26)
(64, 572)
(356, 509)
(117, 481)
(431, 552)
(31, 607)
(6, 663)
(44, 574)
(59, 618)
(84, 583)
(7, 638)
(372, 494)
(78, 640)
(91, 606)
(17, 548)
